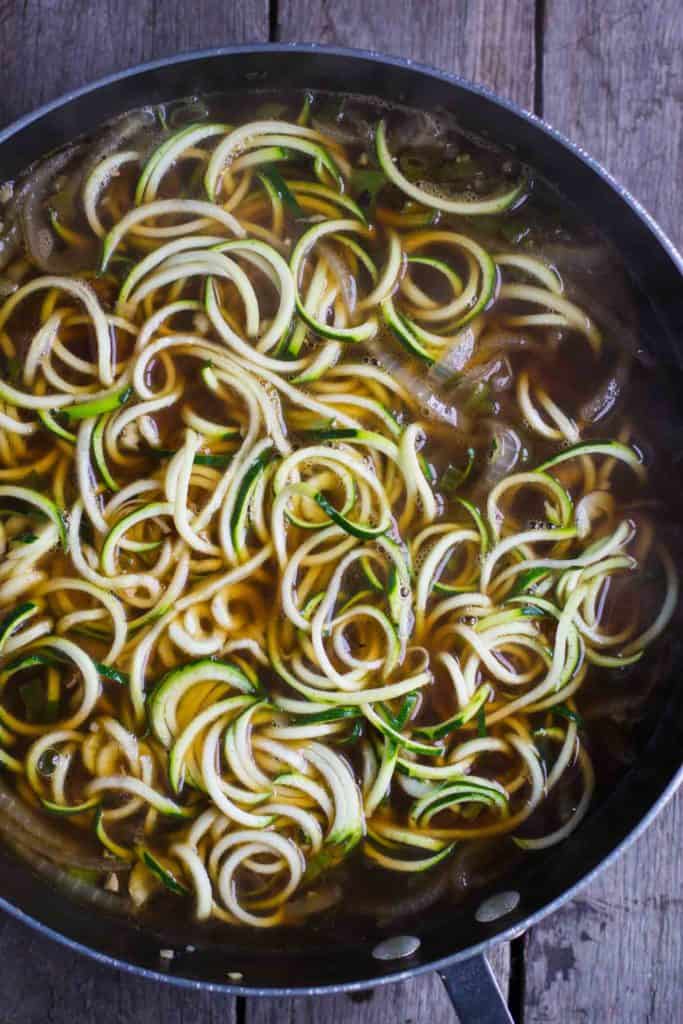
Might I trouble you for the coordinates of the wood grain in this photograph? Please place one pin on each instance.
(613, 80)
(56, 45)
(420, 1000)
(491, 43)
(45, 983)
(616, 952)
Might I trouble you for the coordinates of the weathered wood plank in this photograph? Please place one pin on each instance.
(419, 1001)
(50, 46)
(612, 74)
(616, 952)
(491, 43)
(612, 80)
(42, 982)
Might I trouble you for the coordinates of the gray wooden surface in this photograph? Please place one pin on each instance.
(612, 79)
(610, 74)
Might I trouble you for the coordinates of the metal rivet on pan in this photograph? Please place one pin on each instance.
(497, 906)
(396, 948)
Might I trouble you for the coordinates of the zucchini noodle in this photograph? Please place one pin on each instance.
(263, 610)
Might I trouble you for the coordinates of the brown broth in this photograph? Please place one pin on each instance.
(611, 702)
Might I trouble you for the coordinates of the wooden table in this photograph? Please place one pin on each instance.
(609, 73)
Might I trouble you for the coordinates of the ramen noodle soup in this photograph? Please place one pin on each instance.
(331, 548)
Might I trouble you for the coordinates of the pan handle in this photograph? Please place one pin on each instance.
(475, 993)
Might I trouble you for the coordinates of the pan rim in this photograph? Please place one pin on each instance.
(650, 225)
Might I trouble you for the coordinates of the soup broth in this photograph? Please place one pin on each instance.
(335, 557)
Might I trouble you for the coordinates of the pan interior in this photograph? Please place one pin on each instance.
(277, 959)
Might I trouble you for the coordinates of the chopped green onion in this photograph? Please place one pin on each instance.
(455, 476)
(281, 187)
(367, 184)
(565, 712)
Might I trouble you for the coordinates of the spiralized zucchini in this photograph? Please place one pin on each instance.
(250, 620)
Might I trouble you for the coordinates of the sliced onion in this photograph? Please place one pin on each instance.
(456, 358)
(10, 238)
(507, 446)
(502, 340)
(609, 395)
(28, 207)
(347, 129)
(342, 274)
(21, 824)
(7, 286)
(419, 129)
(10, 243)
(118, 132)
(186, 112)
(411, 375)
(38, 235)
(80, 889)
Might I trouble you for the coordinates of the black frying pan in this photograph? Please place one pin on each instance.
(454, 946)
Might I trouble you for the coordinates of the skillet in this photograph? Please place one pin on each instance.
(454, 945)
